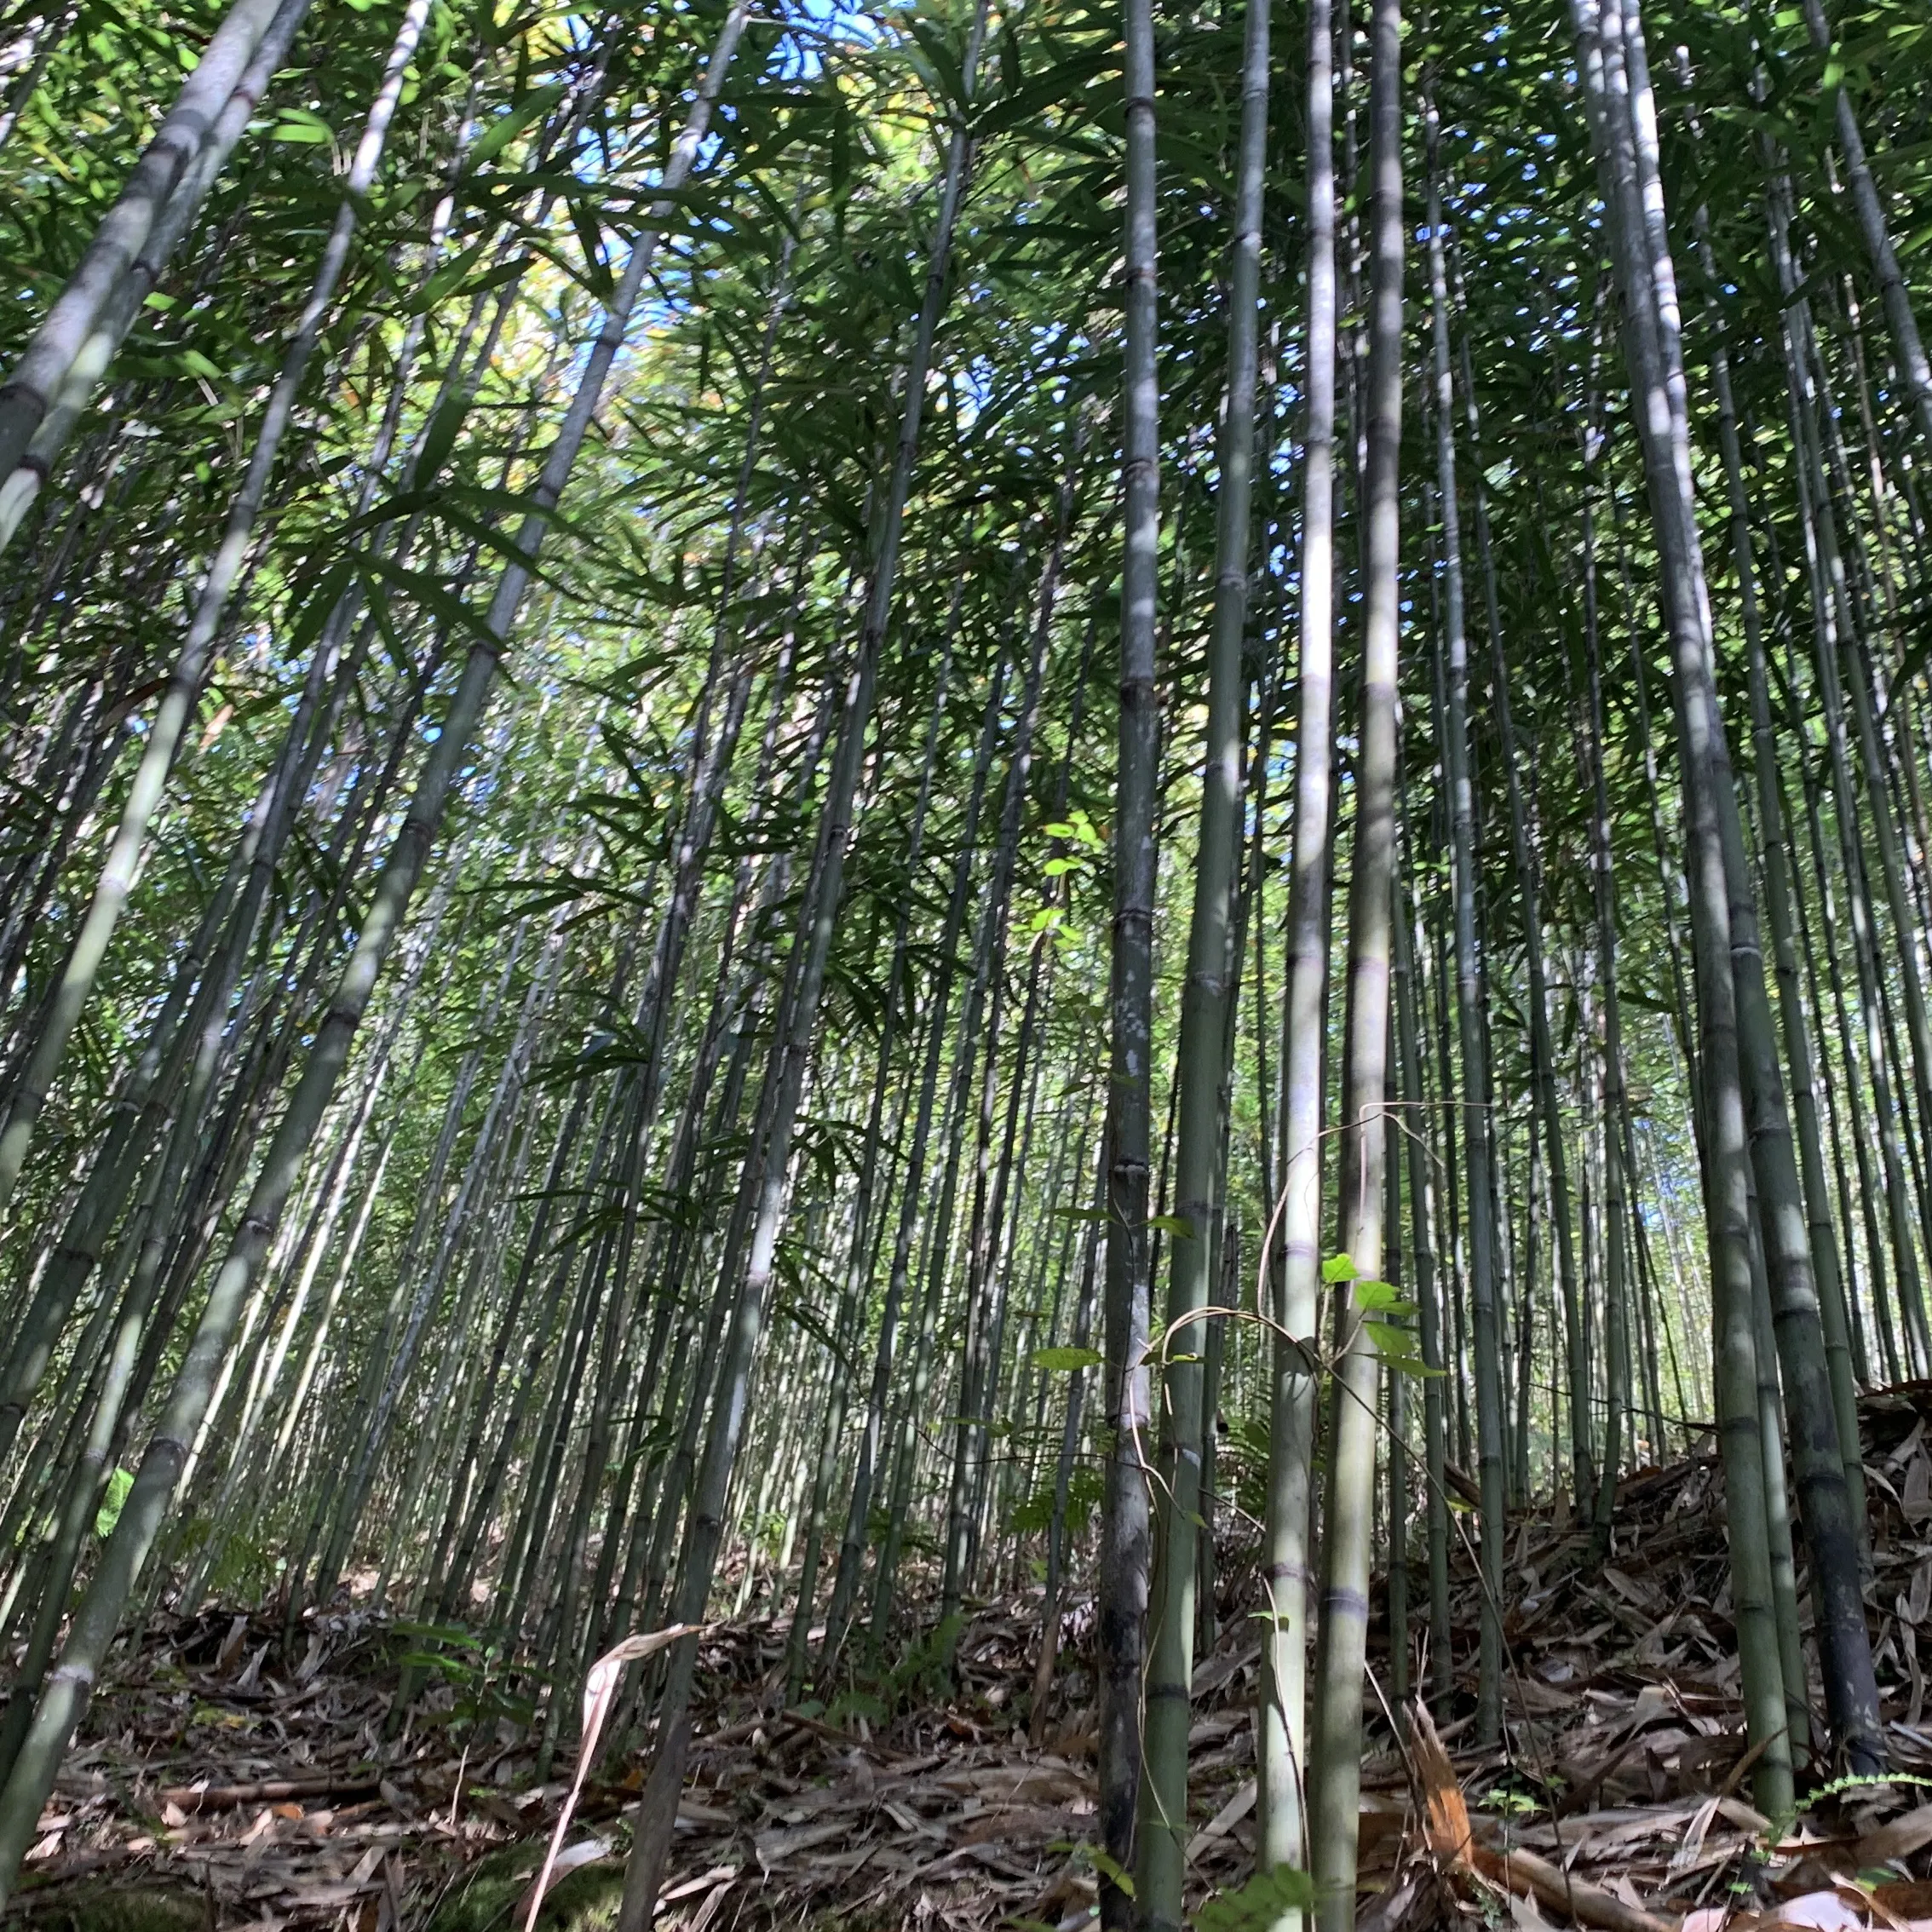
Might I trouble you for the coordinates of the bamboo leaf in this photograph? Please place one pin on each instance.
(1261, 1904)
(1065, 1361)
(505, 130)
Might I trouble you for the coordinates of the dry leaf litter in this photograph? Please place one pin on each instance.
(246, 1781)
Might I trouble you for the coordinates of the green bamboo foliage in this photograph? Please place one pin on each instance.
(554, 1154)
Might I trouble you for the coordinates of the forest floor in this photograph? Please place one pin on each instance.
(226, 1782)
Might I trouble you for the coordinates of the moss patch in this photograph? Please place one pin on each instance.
(484, 1898)
(107, 1907)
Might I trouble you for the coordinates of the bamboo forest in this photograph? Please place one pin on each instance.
(965, 964)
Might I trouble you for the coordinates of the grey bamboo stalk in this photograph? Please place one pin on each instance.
(1778, 1515)
(939, 1223)
(72, 1519)
(1473, 1044)
(485, 1146)
(1724, 1135)
(1849, 1087)
(1001, 1265)
(1831, 616)
(1396, 1453)
(1662, 1340)
(45, 397)
(1917, 1071)
(1542, 1056)
(345, 1269)
(122, 1384)
(623, 1307)
(586, 1266)
(755, 1016)
(1063, 1478)
(911, 1195)
(29, 388)
(935, 1262)
(35, 1466)
(1125, 1545)
(140, 1117)
(985, 1300)
(204, 1200)
(63, 1701)
(1415, 1101)
(860, 1260)
(743, 1286)
(1616, 1319)
(445, 1592)
(1851, 1695)
(980, 1304)
(903, 1435)
(1336, 1718)
(712, 753)
(46, 43)
(1521, 1478)
(1775, 853)
(127, 848)
(851, 1550)
(1199, 1154)
(310, 1253)
(1844, 1640)
(726, 1020)
(1670, 879)
(643, 1876)
(1875, 233)
(1822, 448)
(675, 1488)
(1294, 1281)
